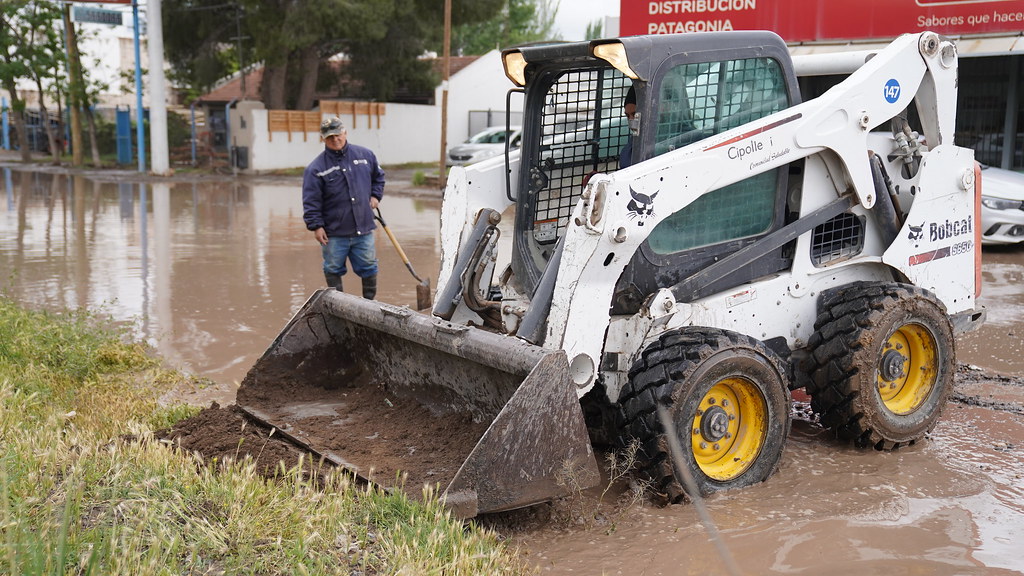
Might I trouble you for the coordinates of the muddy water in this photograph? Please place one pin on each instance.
(951, 506)
(999, 344)
(209, 271)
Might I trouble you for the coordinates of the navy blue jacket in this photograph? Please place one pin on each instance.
(336, 191)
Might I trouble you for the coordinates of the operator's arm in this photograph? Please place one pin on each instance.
(312, 204)
(376, 184)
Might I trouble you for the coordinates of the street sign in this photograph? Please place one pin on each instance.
(96, 15)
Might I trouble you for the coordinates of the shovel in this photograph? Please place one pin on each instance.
(424, 300)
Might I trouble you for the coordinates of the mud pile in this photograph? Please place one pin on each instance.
(226, 433)
(386, 439)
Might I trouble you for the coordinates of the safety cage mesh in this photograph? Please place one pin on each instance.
(583, 130)
(838, 239)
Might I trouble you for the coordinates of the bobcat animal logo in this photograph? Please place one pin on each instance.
(916, 232)
(641, 206)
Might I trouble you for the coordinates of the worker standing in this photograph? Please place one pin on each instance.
(340, 190)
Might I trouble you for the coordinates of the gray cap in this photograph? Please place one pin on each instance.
(331, 127)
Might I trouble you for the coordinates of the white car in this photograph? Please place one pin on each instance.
(484, 145)
(1002, 206)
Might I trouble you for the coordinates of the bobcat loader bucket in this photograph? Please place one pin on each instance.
(406, 400)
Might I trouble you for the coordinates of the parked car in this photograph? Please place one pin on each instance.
(1002, 206)
(483, 145)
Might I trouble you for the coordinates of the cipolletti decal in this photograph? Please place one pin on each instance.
(641, 206)
(754, 132)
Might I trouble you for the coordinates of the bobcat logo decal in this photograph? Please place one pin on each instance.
(916, 232)
(641, 206)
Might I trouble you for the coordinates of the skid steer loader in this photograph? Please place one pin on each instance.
(754, 245)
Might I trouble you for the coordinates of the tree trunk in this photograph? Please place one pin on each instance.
(93, 143)
(44, 117)
(75, 90)
(18, 116)
(308, 71)
(20, 129)
(272, 89)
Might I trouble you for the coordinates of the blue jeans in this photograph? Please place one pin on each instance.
(359, 250)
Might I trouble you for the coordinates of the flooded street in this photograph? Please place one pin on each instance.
(209, 270)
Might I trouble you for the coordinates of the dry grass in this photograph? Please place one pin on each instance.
(583, 508)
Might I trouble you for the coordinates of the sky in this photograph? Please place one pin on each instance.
(574, 16)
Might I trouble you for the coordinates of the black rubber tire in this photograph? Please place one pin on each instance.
(852, 355)
(677, 372)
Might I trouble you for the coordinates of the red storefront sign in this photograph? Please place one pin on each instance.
(810, 20)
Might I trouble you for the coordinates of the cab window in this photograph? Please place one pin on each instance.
(698, 100)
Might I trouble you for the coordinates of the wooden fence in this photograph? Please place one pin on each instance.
(308, 122)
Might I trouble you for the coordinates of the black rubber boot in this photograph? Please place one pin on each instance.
(333, 280)
(370, 287)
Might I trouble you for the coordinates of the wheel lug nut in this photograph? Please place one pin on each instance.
(703, 445)
(725, 402)
(711, 400)
(716, 447)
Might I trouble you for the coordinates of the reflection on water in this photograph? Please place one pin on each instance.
(208, 272)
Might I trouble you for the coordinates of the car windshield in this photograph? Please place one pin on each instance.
(489, 137)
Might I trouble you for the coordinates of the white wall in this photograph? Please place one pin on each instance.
(407, 133)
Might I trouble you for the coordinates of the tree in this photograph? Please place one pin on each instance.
(198, 41)
(207, 41)
(89, 97)
(414, 28)
(31, 50)
(313, 31)
(384, 40)
(594, 30)
(519, 22)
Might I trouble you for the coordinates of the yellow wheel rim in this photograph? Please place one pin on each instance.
(729, 428)
(907, 368)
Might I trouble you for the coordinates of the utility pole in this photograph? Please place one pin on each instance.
(160, 164)
(238, 39)
(445, 71)
(75, 90)
(140, 130)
